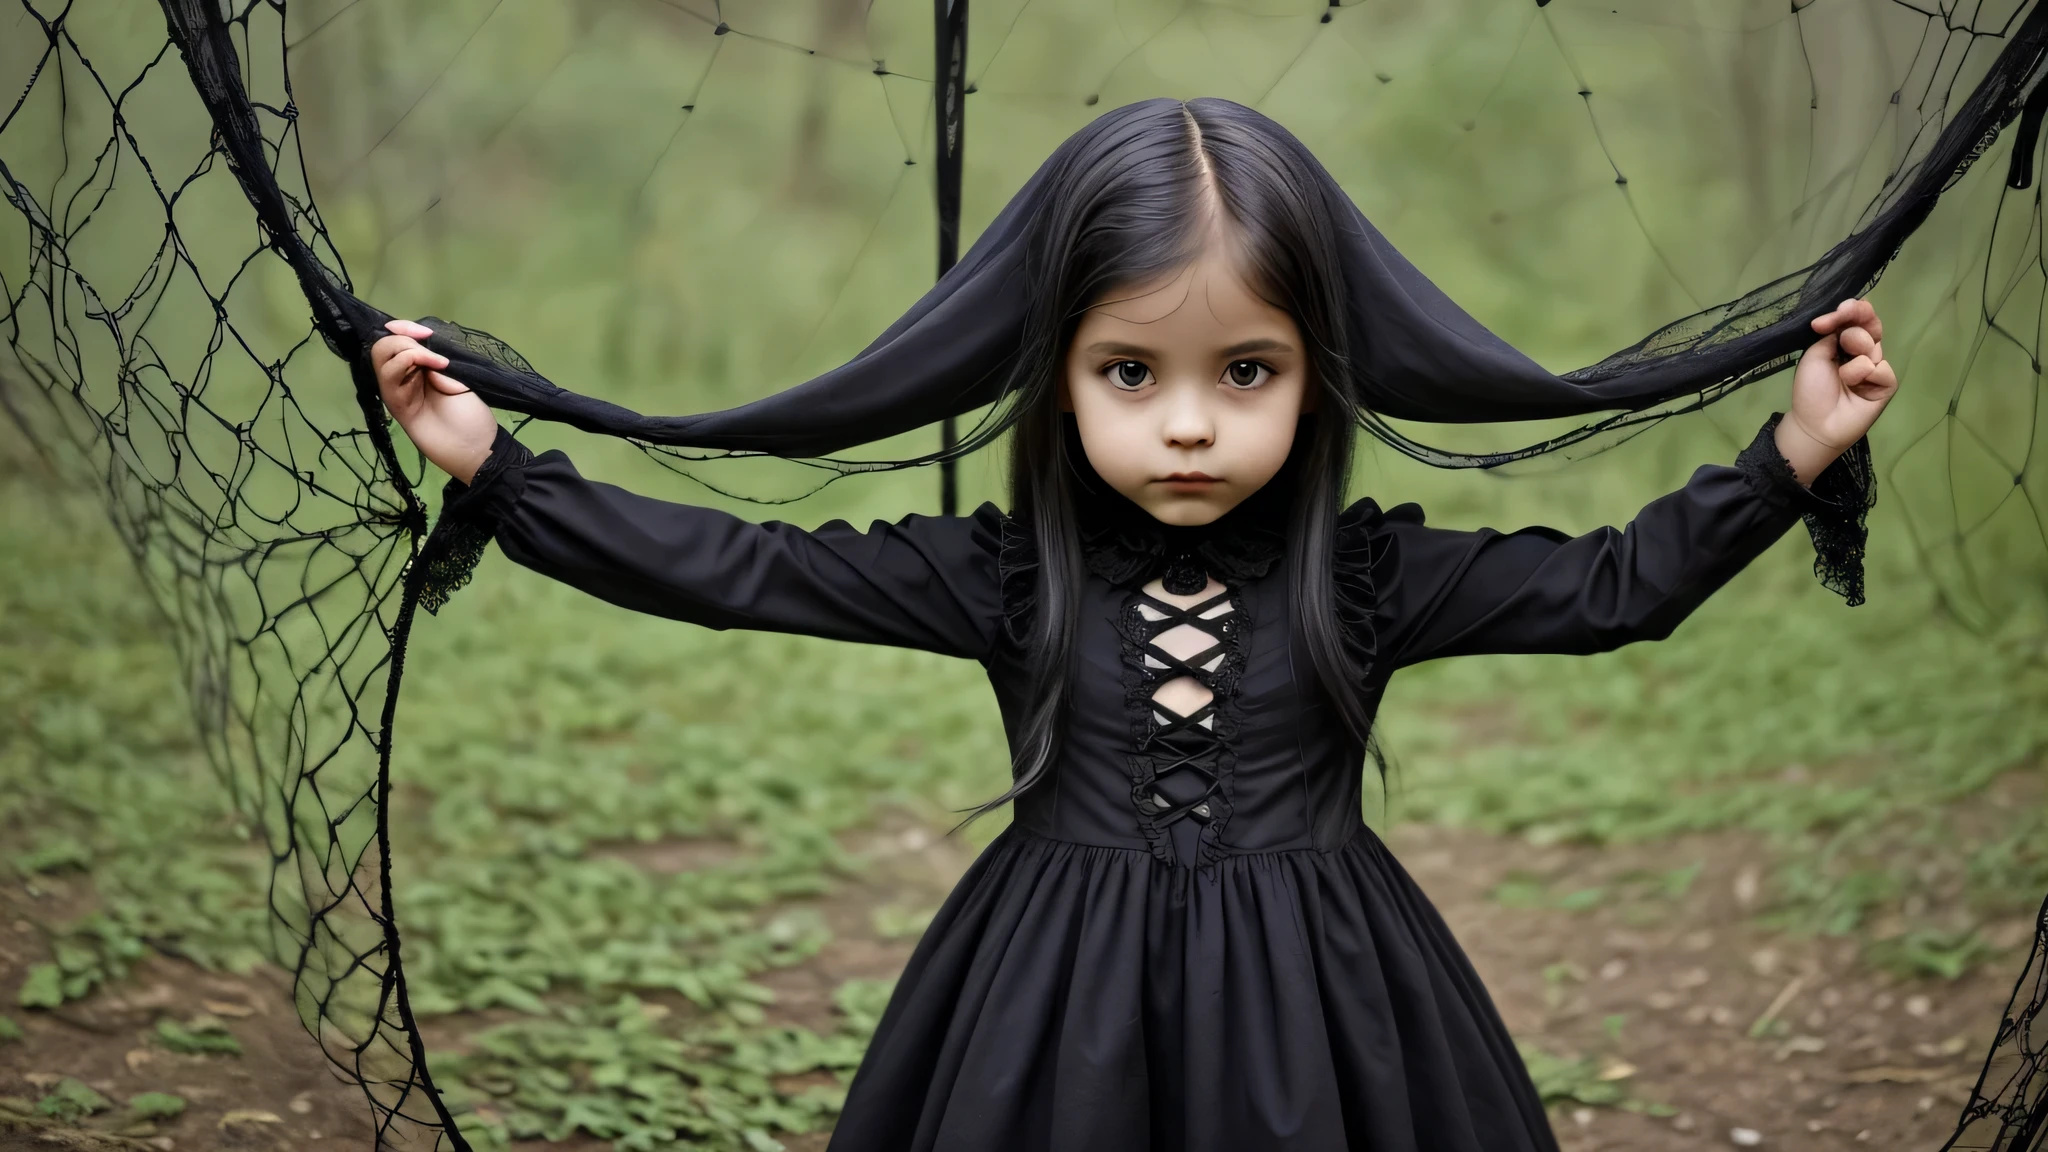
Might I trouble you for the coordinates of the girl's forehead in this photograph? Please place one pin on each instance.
(1209, 292)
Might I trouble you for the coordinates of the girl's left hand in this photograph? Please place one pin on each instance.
(1834, 402)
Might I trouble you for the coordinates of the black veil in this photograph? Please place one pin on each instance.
(1420, 356)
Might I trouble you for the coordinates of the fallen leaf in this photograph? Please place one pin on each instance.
(137, 1057)
(157, 996)
(1953, 1046)
(43, 1080)
(227, 1008)
(248, 1116)
(1617, 1070)
(1747, 882)
(302, 1103)
(1801, 1044)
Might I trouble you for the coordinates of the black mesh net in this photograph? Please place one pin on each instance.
(187, 183)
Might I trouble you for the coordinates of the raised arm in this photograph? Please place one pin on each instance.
(1441, 592)
(924, 582)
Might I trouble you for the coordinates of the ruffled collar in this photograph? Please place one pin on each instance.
(1126, 545)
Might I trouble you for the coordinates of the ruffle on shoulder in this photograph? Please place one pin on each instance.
(1834, 509)
(1359, 549)
(470, 515)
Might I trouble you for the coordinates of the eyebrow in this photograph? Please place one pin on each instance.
(1243, 348)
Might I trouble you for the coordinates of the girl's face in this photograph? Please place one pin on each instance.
(1187, 389)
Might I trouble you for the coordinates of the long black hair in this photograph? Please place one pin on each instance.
(1128, 205)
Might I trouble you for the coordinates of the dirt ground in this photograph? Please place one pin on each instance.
(1662, 993)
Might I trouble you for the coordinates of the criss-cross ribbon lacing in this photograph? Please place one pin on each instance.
(1176, 743)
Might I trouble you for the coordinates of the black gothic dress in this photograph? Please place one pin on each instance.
(1187, 939)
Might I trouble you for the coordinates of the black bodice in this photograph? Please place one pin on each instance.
(1265, 764)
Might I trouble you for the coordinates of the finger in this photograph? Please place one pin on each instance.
(1871, 322)
(1856, 371)
(401, 369)
(1857, 341)
(388, 346)
(1844, 315)
(422, 357)
(409, 328)
(447, 385)
(1880, 384)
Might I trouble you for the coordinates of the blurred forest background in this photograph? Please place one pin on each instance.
(1771, 878)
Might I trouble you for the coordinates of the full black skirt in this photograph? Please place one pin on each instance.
(1079, 998)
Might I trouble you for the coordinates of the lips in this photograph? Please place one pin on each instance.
(1191, 478)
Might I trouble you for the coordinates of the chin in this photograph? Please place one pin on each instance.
(1191, 513)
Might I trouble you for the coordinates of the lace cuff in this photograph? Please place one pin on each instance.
(470, 515)
(1834, 508)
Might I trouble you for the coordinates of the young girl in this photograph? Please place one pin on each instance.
(1187, 938)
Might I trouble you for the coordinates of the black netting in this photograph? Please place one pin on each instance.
(2008, 1108)
(214, 206)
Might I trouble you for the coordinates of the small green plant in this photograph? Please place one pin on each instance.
(1926, 952)
(72, 1100)
(1584, 1081)
(1582, 900)
(95, 950)
(1521, 891)
(155, 1106)
(200, 1036)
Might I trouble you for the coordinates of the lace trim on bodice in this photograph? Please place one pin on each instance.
(1181, 769)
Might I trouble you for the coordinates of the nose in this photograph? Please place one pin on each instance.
(1189, 423)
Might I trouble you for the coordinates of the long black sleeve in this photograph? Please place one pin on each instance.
(1440, 592)
(924, 582)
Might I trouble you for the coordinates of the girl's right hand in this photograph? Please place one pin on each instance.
(451, 425)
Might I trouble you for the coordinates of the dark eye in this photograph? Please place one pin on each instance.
(1129, 374)
(1246, 373)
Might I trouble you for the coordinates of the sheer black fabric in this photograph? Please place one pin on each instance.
(1419, 355)
(1189, 939)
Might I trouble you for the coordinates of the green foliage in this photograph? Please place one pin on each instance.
(95, 950)
(613, 1072)
(9, 1030)
(203, 1035)
(155, 1106)
(1558, 1079)
(72, 1099)
(43, 988)
(1928, 952)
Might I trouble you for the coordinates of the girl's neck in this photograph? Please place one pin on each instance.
(1125, 544)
